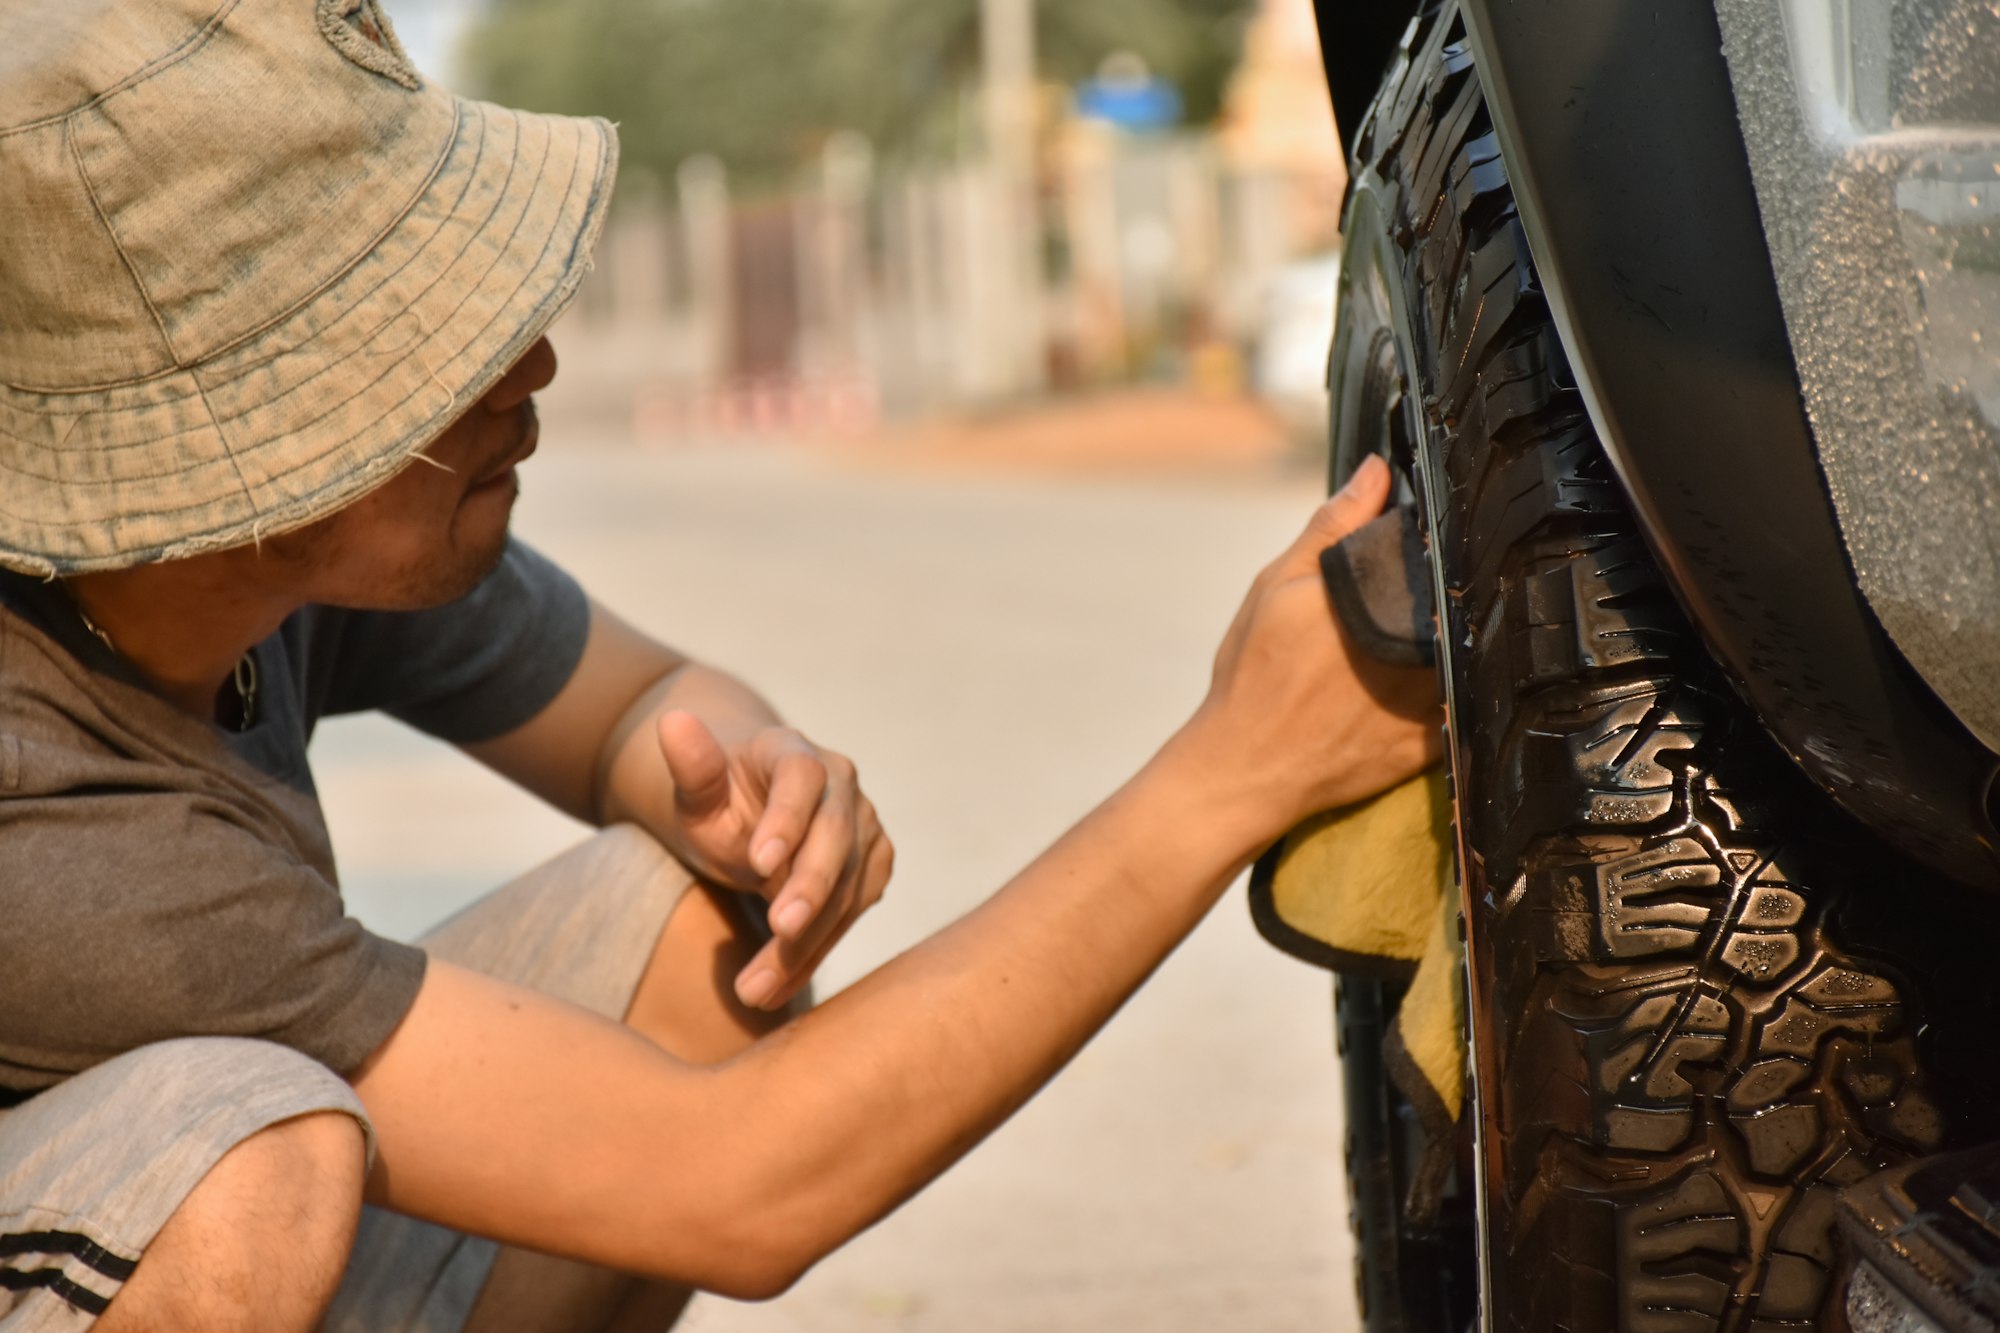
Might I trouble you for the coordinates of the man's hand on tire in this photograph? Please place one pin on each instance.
(1296, 720)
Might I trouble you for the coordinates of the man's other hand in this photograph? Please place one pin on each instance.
(1296, 721)
(778, 816)
(633, 738)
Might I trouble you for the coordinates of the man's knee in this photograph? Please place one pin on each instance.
(686, 1000)
(261, 1242)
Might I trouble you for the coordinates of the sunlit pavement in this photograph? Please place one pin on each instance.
(996, 653)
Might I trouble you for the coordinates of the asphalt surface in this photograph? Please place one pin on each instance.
(996, 652)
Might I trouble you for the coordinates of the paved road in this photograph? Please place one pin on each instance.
(996, 653)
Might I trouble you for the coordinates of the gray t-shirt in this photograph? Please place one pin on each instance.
(161, 877)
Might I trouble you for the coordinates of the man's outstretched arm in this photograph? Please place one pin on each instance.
(507, 1114)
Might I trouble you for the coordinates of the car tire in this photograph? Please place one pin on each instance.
(1677, 1064)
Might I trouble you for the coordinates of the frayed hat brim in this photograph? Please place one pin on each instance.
(311, 412)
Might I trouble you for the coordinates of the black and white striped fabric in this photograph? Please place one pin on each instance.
(43, 1260)
(93, 1168)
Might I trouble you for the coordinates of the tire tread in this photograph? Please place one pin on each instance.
(1689, 1065)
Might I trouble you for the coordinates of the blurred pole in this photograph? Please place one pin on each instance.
(847, 180)
(917, 372)
(635, 246)
(711, 267)
(1008, 42)
(1096, 260)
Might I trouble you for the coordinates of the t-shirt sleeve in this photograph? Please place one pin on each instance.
(466, 672)
(110, 945)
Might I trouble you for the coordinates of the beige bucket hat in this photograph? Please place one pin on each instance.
(250, 263)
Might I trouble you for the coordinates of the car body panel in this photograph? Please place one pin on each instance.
(1873, 131)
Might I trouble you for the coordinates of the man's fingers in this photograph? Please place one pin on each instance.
(800, 974)
(820, 864)
(783, 967)
(1360, 500)
(695, 760)
(797, 787)
(874, 872)
(877, 869)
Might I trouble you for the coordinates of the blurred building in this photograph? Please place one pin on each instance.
(1278, 115)
(872, 290)
(1279, 122)
(1278, 128)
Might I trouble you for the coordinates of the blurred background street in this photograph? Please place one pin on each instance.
(836, 216)
(948, 370)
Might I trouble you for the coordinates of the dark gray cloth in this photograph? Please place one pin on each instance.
(163, 878)
(1379, 580)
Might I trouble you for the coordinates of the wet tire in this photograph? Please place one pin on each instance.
(1678, 1062)
(1415, 1270)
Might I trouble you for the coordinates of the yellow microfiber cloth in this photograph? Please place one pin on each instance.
(1372, 888)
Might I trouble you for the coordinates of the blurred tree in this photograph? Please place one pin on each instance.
(729, 77)
(761, 83)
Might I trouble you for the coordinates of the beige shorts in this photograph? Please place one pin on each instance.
(92, 1169)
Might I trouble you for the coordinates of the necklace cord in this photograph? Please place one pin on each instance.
(243, 676)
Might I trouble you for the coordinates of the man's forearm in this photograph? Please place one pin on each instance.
(738, 1178)
(861, 1102)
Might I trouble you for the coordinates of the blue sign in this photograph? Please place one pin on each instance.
(1131, 104)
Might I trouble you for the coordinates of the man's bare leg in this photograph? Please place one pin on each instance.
(259, 1245)
(686, 1002)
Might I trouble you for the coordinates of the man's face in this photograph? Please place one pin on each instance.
(428, 535)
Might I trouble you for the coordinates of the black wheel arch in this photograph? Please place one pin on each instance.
(1357, 38)
(1619, 128)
